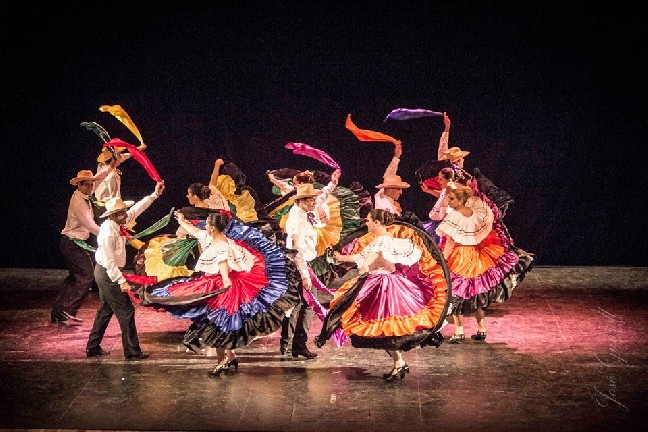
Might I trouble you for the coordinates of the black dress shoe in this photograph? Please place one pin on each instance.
(303, 352)
(58, 318)
(140, 356)
(96, 352)
(284, 349)
(71, 317)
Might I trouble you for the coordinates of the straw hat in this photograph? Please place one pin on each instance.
(306, 190)
(106, 155)
(454, 153)
(393, 181)
(82, 175)
(114, 205)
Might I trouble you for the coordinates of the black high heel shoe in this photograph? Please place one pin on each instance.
(219, 370)
(396, 373)
(456, 339)
(480, 336)
(225, 367)
(233, 363)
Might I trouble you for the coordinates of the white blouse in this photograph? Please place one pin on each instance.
(238, 258)
(468, 230)
(391, 251)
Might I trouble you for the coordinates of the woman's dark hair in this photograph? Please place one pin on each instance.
(382, 216)
(218, 221)
(447, 173)
(305, 177)
(202, 191)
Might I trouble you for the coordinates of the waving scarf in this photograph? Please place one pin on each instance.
(97, 129)
(101, 133)
(312, 152)
(367, 135)
(138, 155)
(118, 112)
(408, 114)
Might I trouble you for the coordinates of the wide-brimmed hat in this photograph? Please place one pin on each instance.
(306, 190)
(82, 175)
(114, 205)
(393, 181)
(454, 153)
(107, 155)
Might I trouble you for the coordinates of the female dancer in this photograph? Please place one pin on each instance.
(401, 296)
(483, 268)
(241, 288)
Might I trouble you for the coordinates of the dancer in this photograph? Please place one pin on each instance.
(113, 287)
(241, 287)
(391, 189)
(110, 186)
(79, 225)
(230, 182)
(302, 236)
(483, 268)
(401, 296)
(440, 207)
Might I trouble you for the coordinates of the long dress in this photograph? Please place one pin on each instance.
(265, 284)
(401, 301)
(483, 264)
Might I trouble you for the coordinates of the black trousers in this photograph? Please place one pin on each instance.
(80, 279)
(113, 301)
(296, 326)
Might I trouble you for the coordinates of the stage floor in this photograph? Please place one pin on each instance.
(567, 352)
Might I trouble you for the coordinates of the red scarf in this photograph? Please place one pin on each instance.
(124, 232)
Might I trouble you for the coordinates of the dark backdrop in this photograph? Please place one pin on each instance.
(549, 98)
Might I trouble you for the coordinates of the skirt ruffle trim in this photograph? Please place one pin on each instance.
(500, 292)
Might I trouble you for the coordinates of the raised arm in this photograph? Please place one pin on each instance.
(392, 168)
(186, 225)
(282, 185)
(213, 180)
(443, 142)
(326, 191)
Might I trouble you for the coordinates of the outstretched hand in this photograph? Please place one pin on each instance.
(159, 187)
(446, 121)
(335, 177)
(398, 149)
(180, 217)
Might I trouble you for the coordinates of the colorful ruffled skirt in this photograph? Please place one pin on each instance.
(393, 311)
(488, 272)
(254, 305)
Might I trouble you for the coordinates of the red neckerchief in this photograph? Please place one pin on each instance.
(124, 232)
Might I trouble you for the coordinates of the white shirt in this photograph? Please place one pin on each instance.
(440, 207)
(443, 145)
(80, 217)
(111, 246)
(301, 234)
(110, 186)
(382, 201)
